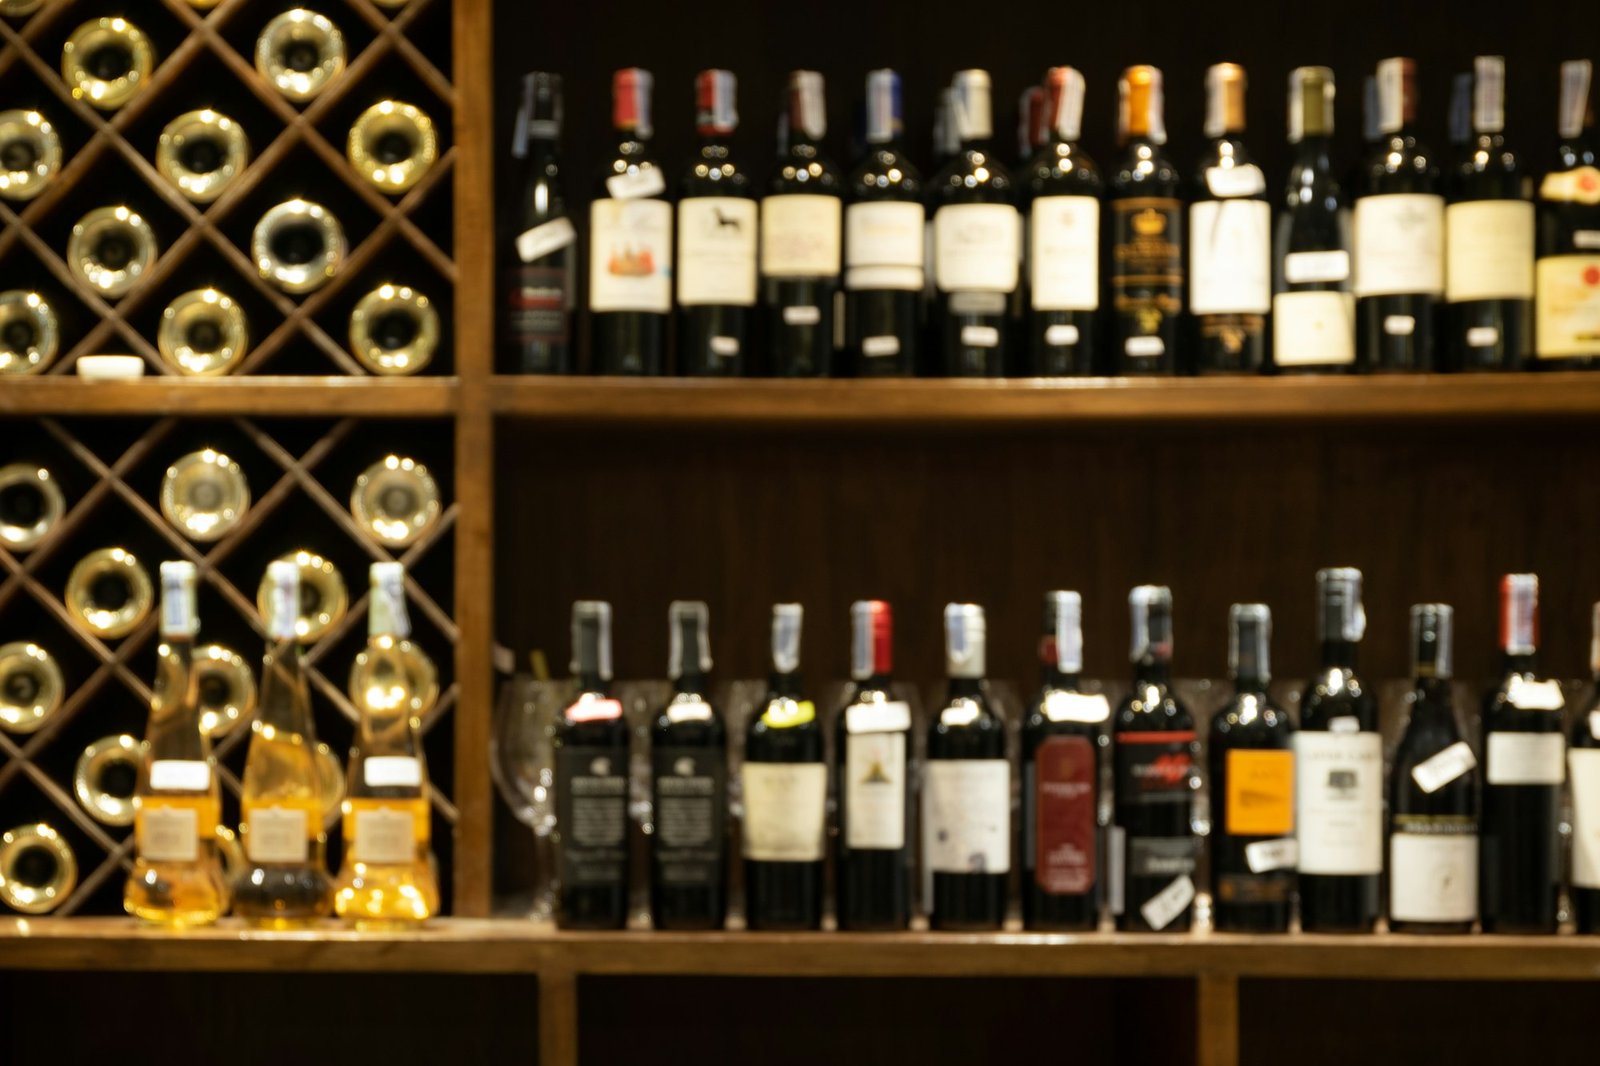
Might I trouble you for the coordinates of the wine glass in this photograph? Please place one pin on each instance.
(521, 761)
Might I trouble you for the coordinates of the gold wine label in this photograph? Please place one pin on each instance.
(1567, 310)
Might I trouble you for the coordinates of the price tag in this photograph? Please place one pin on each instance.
(1144, 347)
(1399, 325)
(1344, 724)
(880, 347)
(1161, 909)
(545, 238)
(1076, 707)
(877, 718)
(801, 316)
(1439, 770)
(980, 336)
(1267, 855)
(727, 347)
(636, 184)
(1310, 267)
(1534, 695)
(393, 771)
(1061, 335)
(1244, 180)
(180, 775)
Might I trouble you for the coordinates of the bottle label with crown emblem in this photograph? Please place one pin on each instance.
(630, 255)
(1147, 271)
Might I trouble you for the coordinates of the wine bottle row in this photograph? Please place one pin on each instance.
(1108, 822)
(1061, 267)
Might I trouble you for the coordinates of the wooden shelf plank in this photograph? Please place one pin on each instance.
(930, 403)
(517, 946)
(243, 396)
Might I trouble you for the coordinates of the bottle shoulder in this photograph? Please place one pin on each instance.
(885, 173)
(1062, 169)
(974, 176)
(804, 170)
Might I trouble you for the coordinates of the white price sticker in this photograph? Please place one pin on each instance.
(1344, 724)
(1061, 335)
(801, 316)
(1594, 724)
(545, 238)
(879, 347)
(1246, 180)
(636, 184)
(1437, 771)
(1163, 908)
(1144, 347)
(393, 771)
(1399, 325)
(180, 775)
(1306, 268)
(980, 336)
(1266, 855)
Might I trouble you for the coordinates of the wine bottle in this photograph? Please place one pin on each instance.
(1583, 763)
(1313, 311)
(1489, 238)
(1338, 754)
(539, 322)
(1063, 192)
(689, 778)
(591, 782)
(1154, 750)
(177, 874)
(1230, 239)
(1399, 234)
(801, 239)
(967, 795)
(1145, 247)
(1433, 816)
(1063, 746)
(1568, 268)
(872, 743)
(885, 226)
(630, 241)
(716, 241)
(785, 784)
(284, 883)
(1524, 767)
(1251, 759)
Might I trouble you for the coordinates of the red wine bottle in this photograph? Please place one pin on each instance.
(591, 782)
(1568, 269)
(967, 789)
(785, 785)
(1583, 764)
(1251, 759)
(1524, 767)
(1063, 192)
(539, 319)
(872, 743)
(717, 231)
(885, 227)
(688, 769)
(630, 235)
(1064, 741)
(1145, 235)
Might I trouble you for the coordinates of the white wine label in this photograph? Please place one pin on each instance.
(1483, 337)
(1230, 257)
(1399, 244)
(980, 336)
(892, 717)
(1163, 908)
(976, 248)
(883, 246)
(1399, 325)
(630, 255)
(1305, 268)
(1584, 764)
(1246, 180)
(880, 347)
(1314, 329)
(1061, 335)
(785, 810)
(1443, 767)
(1534, 695)
(695, 711)
(1265, 856)
(1339, 801)
(1075, 707)
(875, 790)
(392, 771)
(545, 238)
(725, 346)
(169, 834)
(637, 184)
(275, 834)
(802, 316)
(1433, 877)
(180, 775)
(1567, 311)
(1525, 758)
(1489, 249)
(967, 816)
(800, 236)
(717, 251)
(384, 836)
(1064, 255)
(1345, 724)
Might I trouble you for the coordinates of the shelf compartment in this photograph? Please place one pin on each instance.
(310, 396)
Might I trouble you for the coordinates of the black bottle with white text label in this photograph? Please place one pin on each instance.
(539, 318)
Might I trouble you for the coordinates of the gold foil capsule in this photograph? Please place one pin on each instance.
(394, 330)
(37, 869)
(107, 62)
(323, 599)
(202, 153)
(300, 53)
(110, 249)
(227, 689)
(30, 334)
(395, 500)
(392, 145)
(204, 495)
(105, 777)
(30, 506)
(31, 687)
(298, 246)
(203, 333)
(109, 593)
(30, 154)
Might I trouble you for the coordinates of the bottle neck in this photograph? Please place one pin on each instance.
(1152, 671)
(1434, 693)
(1339, 654)
(875, 683)
(1052, 676)
(1314, 153)
(966, 687)
(1520, 663)
(784, 685)
(542, 149)
(589, 680)
(694, 684)
(284, 671)
(1250, 683)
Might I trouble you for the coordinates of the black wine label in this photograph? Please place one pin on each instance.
(1161, 857)
(1154, 767)
(540, 301)
(690, 788)
(1147, 261)
(592, 815)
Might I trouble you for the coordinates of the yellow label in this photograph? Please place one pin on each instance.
(1581, 185)
(170, 828)
(1567, 312)
(786, 714)
(1260, 793)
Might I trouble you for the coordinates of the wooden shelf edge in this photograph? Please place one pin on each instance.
(251, 395)
(517, 946)
(932, 403)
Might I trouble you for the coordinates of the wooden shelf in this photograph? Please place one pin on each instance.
(332, 396)
(516, 946)
(1045, 401)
